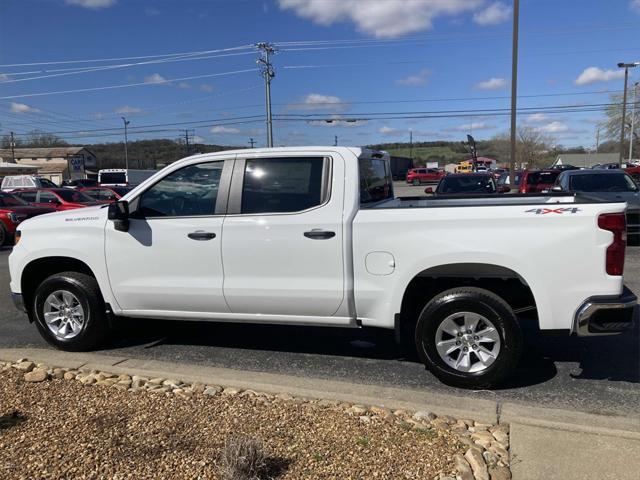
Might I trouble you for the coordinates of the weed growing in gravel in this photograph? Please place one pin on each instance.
(427, 432)
(405, 425)
(363, 441)
(243, 458)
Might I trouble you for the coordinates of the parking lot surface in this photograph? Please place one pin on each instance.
(598, 374)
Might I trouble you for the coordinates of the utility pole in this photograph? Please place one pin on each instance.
(410, 143)
(126, 155)
(514, 91)
(267, 71)
(252, 142)
(597, 139)
(335, 140)
(626, 67)
(633, 120)
(13, 146)
(186, 142)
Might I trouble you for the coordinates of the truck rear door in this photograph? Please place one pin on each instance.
(282, 242)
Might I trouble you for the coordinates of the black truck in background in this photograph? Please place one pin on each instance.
(400, 166)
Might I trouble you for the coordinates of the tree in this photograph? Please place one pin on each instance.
(533, 147)
(613, 122)
(5, 142)
(38, 138)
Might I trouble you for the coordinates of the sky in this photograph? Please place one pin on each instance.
(366, 71)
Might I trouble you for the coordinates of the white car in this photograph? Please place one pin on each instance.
(14, 182)
(314, 236)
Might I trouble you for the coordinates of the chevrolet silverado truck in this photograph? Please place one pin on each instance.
(314, 236)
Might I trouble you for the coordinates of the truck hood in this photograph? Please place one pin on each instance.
(67, 218)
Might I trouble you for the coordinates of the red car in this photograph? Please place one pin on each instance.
(536, 181)
(634, 171)
(467, 184)
(416, 176)
(13, 211)
(105, 194)
(57, 198)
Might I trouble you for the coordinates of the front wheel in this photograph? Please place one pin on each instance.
(69, 311)
(469, 337)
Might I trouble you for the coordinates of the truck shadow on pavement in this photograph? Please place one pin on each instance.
(286, 349)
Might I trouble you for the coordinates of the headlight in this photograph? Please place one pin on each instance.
(13, 217)
(17, 236)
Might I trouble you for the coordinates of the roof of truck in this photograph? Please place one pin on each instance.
(358, 151)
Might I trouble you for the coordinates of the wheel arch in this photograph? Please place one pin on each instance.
(36, 271)
(500, 280)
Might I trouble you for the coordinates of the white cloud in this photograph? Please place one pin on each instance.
(536, 118)
(22, 108)
(495, 13)
(3, 77)
(222, 129)
(472, 126)
(184, 85)
(635, 5)
(595, 75)
(417, 79)
(388, 131)
(317, 101)
(197, 139)
(156, 79)
(206, 88)
(128, 109)
(493, 83)
(92, 4)
(380, 18)
(554, 127)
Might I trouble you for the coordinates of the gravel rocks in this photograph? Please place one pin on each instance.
(116, 430)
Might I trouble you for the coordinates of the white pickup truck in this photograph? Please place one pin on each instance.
(314, 236)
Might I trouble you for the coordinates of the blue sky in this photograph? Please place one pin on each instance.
(365, 59)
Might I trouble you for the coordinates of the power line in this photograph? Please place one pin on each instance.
(97, 60)
(125, 85)
(114, 67)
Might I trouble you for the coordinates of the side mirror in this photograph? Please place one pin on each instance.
(428, 190)
(119, 213)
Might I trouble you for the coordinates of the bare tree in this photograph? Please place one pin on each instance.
(534, 147)
(38, 138)
(613, 122)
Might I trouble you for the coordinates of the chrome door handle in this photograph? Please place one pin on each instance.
(201, 235)
(319, 234)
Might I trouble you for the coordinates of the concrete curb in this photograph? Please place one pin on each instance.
(442, 404)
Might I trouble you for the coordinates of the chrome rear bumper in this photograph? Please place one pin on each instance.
(606, 315)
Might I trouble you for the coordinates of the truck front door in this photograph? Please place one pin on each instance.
(283, 237)
(170, 258)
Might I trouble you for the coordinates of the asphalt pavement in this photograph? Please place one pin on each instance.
(598, 375)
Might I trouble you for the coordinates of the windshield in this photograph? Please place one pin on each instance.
(537, 178)
(602, 183)
(74, 196)
(467, 184)
(45, 182)
(122, 191)
(112, 177)
(504, 178)
(8, 200)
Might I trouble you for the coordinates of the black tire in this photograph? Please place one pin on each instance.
(95, 327)
(4, 235)
(478, 301)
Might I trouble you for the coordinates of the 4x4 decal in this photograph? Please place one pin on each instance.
(544, 211)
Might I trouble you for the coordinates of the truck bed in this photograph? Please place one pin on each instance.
(482, 201)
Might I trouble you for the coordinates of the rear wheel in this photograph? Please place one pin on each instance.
(3, 235)
(416, 181)
(69, 311)
(469, 337)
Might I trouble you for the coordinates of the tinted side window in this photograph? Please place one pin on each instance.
(27, 196)
(375, 180)
(189, 191)
(278, 185)
(47, 197)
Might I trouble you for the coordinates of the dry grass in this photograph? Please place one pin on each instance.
(243, 458)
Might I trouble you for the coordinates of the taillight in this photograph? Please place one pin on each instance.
(615, 223)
